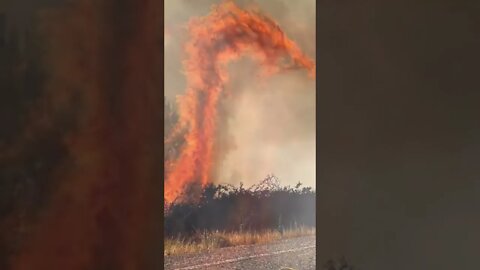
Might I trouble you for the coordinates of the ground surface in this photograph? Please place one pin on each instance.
(294, 253)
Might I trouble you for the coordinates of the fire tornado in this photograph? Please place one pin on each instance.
(223, 36)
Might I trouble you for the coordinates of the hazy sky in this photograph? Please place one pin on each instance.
(270, 124)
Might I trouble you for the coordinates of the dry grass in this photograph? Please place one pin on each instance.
(214, 240)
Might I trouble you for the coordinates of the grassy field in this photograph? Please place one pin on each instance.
(214, 240)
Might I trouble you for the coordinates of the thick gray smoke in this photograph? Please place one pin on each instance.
(268, 126)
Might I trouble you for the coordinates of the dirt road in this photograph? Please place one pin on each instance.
(295, 253)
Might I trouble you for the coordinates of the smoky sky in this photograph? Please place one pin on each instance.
(398, 133)
(269, 125)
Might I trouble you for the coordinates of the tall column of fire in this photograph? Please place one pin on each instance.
(226, 34)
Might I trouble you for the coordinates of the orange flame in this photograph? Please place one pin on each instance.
(224, 35)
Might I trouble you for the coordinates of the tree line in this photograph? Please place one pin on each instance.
(264, 206)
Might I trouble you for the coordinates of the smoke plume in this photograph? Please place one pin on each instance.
(226, 34)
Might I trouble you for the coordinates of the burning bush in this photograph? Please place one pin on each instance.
(264, 206)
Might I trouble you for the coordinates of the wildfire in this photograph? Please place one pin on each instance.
(227, 33)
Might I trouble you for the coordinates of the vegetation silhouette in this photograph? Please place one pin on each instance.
(217, 207)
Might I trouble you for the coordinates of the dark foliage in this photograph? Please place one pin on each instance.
(229, 208)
